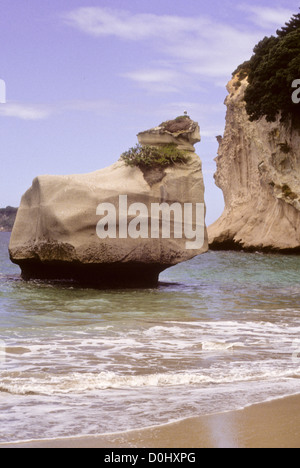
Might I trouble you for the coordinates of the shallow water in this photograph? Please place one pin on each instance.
(220, 332)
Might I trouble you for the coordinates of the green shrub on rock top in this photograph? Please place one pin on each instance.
(154, 156)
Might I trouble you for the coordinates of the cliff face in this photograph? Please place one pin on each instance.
(258, 170)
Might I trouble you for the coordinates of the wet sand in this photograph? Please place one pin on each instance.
(274, 424)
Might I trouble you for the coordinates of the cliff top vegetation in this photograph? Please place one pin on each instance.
(273, 67)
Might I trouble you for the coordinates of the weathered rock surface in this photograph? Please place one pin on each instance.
(258, 170)
(183, 131)
(54, 236)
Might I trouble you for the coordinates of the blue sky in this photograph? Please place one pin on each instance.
(83, 77)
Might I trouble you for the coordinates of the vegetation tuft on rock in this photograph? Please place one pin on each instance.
(154, 156)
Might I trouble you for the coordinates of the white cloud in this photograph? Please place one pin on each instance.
(266, 17)
(24, 111)
(98, 21)
(43, 111)
(194, 47)
(156, 79)
(151, 76)
(215, 51)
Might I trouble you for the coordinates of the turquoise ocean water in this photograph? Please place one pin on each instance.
(220, 332)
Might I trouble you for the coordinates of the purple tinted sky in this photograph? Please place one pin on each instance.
(84, 77)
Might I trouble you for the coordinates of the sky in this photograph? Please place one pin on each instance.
(83, 77)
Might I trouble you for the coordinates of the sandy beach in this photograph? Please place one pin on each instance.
(275, 424)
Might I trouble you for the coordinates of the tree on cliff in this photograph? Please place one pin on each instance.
(271, 71)
(291, 26)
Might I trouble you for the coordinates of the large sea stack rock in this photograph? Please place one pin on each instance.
(55, 235)
(258, 170)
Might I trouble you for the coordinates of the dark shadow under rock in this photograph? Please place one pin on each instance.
(100, 276)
